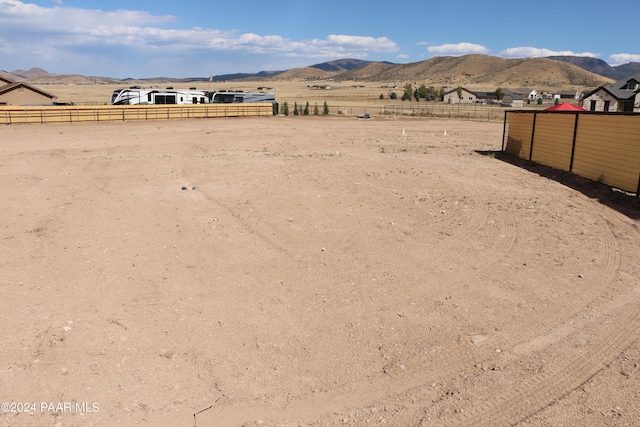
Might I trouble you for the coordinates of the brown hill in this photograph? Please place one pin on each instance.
(364, 73)
(307, 73)
(475, 71)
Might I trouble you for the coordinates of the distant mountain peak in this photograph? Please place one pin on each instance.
(346, 64)
(598, 66)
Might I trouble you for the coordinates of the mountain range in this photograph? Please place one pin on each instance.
(472, 71)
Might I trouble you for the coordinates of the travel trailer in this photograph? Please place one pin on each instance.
(231, 97)
(136, 96)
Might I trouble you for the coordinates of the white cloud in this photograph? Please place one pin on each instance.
(535, 52)
(457, 49)
(623, 58)
(86, 34)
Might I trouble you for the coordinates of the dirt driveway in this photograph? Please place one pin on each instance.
(307, 271)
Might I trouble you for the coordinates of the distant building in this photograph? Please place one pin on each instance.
(486, 97)
(522, 92)
(512, 100)
(19, 93)
(466, 97)
(621, 96)
(568, 94)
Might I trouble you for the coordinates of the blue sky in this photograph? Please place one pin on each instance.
(193, 38)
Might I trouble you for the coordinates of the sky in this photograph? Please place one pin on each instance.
(200, 38)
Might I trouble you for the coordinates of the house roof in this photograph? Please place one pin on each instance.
(5, 80)
(518, 91)
(13, 86)
(486, 94)
(456, 90)
(513, 96)
(566, 92)
(616, 89)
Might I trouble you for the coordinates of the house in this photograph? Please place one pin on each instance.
(567, 94)
(622, 96)
(512, 100)
(486, 97)
(524, 93)
(20, 93)
(466, 97)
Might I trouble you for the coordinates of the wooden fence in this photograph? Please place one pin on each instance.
(602, 147)
(477, 112)
(111, 113)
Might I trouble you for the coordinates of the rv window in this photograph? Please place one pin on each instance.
(165, 99)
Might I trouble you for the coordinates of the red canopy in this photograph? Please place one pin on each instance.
(565, 106)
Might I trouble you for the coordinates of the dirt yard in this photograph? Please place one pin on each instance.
(315, 271)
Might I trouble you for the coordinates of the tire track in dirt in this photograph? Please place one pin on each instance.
(420, 372)
(539, 391)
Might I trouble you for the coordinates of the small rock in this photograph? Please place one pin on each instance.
(184, 188)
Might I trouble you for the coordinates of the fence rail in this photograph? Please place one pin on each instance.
(451, 111)
(111, 113)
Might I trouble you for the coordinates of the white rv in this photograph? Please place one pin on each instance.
(236, 96)
(135, 96)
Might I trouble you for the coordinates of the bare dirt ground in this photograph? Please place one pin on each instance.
(315, 271)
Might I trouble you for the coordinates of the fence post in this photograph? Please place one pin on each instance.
(573, 143)
(504, 130)
(533, 133)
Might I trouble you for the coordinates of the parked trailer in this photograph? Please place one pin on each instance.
(135, 96)
(232, 97)
(138, 96)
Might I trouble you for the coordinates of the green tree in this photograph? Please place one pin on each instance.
(325, 108)
(408, 91)
(315, 109)
(393, 95)
(539, 101)
(416, 95)
(306, 109)
(499, 93)
(459, 92)
(285, 108)
(423, 91)
(382, 96)
(295, 109)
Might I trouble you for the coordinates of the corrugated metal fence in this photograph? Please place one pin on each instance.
(603, 147)
(111, 113)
